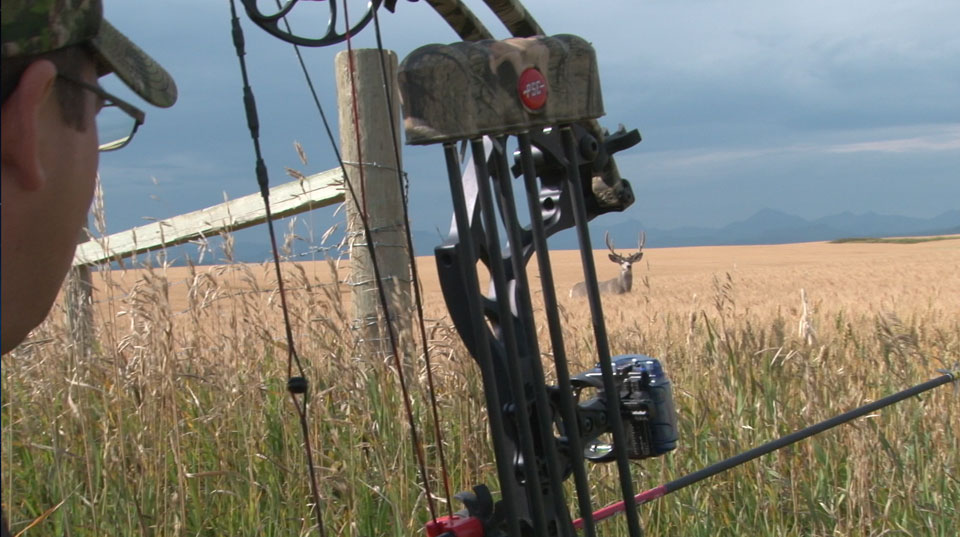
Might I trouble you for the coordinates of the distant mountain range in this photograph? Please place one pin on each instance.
(767, 226)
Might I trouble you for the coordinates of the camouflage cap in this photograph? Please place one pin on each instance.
(32, 27)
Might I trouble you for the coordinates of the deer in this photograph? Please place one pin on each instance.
(622, 283)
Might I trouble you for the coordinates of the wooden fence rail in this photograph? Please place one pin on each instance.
(313, 192)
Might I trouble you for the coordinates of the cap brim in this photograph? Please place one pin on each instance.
(137, 70)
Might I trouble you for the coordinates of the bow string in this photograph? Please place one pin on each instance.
(297, 384)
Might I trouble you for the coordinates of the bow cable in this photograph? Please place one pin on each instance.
(297, 386)
(362, 211)
(415, 274)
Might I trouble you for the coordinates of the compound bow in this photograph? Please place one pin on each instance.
(545, 93)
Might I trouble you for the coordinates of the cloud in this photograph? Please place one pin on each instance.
(736, 101)
(905, 141)
(949, 140)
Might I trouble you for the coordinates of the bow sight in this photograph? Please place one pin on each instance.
(646, 406)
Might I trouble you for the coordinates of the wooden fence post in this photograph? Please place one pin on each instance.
(79, 304)
(366, 142)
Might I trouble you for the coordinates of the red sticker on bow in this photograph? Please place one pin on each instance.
(532, 88)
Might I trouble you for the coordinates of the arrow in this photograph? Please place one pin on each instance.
(769, 447)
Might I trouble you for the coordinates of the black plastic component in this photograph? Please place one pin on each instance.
(298, 385)
(622, 139)
(646, 404)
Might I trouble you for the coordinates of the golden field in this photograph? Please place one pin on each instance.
(861, 278)
(175, 421)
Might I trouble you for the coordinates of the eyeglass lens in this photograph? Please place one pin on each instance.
(114, 127)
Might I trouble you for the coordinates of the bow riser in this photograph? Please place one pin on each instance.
(480, 94)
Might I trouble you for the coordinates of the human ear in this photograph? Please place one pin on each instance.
(21, 125)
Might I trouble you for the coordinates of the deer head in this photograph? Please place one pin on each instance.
(622, 283)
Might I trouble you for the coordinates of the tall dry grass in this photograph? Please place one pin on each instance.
(176, 422)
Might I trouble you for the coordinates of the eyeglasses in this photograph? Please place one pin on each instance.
(117, 120)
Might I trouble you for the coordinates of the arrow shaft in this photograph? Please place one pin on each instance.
(769, 447)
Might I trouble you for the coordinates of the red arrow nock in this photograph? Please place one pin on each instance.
(455, 526)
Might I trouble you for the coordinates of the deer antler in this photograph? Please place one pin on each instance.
(606, 237)
(643, 239)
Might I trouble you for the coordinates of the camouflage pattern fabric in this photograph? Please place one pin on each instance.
(467, 90)
(137, 70)
(35, 27)
(515, 17)
(461, 19)
(31, 27)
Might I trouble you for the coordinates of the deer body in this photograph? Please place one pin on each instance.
(623, 283)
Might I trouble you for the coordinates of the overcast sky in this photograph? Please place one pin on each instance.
(813, 107)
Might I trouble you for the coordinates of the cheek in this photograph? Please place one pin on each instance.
(76, 187)
(88, 159)
(92, 164)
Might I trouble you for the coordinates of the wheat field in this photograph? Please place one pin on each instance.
(175, 420)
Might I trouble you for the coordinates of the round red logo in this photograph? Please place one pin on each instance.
(532, 88)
